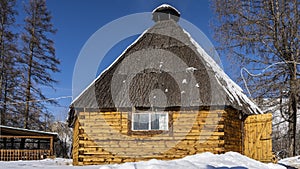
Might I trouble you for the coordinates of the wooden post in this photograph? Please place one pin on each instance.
(51, 146)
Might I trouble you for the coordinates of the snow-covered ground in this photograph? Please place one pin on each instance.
(199, 161)
(292, 161)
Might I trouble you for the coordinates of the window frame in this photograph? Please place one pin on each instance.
(149, 133)
(150, 121)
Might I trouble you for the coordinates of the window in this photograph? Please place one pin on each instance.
(150, 121)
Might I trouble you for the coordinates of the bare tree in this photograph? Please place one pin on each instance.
(39, 61)
(63, 146)
(264, 34)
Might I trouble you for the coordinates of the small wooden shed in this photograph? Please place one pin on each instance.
(23, 144)
(165, 98)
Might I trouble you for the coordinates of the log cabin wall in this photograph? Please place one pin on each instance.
(233, 131)
(75, 145)
(106, 137)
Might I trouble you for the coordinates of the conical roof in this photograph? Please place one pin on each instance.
(164, 68)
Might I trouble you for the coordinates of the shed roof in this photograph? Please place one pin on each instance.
(14, 131)
(164, 67)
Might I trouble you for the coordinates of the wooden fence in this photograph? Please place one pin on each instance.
(14, 155)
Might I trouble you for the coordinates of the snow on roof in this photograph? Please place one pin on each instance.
(234, 91)
(165, 6)
(190, 69)
(27, 130)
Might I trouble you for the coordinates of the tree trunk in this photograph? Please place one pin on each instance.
(1, 70)
(28, 93)
(5, 99)
(293, 111)
(1, 55)
(29, 73)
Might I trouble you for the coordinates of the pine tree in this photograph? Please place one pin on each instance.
(39, 61)
(8, 57)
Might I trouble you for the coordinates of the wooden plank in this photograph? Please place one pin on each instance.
(257, 139)
(75, 148)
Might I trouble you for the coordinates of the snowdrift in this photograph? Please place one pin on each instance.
(229, 160)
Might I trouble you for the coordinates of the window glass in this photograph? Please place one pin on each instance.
(140, 121)
(154, 121)
(150, 121)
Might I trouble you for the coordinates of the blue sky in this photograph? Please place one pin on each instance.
(77, 20)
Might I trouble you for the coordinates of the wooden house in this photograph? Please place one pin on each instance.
(165, 98)
(23, 144)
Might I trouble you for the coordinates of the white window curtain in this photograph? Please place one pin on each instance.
(163, 122)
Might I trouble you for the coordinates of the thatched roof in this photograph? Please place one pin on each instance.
(163, 68)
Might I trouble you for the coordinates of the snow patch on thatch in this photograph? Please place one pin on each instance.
(234, 91)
